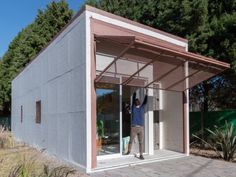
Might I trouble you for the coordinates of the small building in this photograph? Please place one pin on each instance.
(73, 99)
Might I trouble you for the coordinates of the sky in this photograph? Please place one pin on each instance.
(17, 14)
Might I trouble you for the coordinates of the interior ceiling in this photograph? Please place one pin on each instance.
(140, 64)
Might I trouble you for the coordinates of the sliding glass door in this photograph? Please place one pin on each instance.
(108, 119)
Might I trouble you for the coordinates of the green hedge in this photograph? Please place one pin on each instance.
(210, 119)
(5, 121)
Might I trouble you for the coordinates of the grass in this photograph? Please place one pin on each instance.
(19, 160)
(6, 140)
(10, 157)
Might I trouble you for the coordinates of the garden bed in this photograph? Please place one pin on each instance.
(15, 153)
(205, 152)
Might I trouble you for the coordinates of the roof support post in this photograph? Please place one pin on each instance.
(115, 59)
(164, 75)
(186, 111)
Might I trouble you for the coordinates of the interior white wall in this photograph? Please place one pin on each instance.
(57, 78)
(171, 119)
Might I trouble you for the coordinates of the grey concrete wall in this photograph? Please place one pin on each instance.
(57, 78)
(172, 118)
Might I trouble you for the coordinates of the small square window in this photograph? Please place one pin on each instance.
(38, 112)
(21, 113)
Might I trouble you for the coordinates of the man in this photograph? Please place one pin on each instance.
(137, 122)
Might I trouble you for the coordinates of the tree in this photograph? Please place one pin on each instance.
(221, 43)
(28, 43)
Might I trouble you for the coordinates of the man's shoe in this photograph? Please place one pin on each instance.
(127, 153)
(141, 157)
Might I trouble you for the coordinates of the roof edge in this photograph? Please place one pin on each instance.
(191, 54)
(102, 12)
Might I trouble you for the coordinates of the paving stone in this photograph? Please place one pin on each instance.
(191, 166)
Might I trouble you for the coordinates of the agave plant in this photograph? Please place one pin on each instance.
(223, 141)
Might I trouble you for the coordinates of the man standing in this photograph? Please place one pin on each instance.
(137, 123)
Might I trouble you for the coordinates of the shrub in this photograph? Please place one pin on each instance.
(60, 171)
(223, 141)
(28, 167)
(5, 138)
(24, 168)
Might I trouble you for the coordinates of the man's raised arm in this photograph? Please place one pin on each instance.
(145, 99)
(133, 98)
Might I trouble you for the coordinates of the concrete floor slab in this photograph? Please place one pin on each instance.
(192, 166)
(131, 160)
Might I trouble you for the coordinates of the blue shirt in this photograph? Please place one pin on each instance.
(138, 112)
(138, 115)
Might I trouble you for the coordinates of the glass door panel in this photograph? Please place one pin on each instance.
(108, 119)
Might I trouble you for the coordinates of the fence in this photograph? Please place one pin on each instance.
(5, 121)
(210, 119)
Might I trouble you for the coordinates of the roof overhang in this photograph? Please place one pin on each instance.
(141, 63)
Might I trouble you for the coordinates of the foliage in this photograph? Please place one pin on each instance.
(100, 128)
(61, 171)
(5, 138)
(28, 167)
(223, 141)
(24, 168)
(28, 43)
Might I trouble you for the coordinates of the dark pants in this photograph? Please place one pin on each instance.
(137, 131)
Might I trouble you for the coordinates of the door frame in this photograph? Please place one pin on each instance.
(149, 132)
(115, 155)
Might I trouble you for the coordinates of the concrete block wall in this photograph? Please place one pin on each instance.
(57, 78)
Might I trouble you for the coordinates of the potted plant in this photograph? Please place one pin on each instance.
(100, 134)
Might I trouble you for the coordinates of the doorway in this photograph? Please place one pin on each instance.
(127, 93)
(114, 119)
